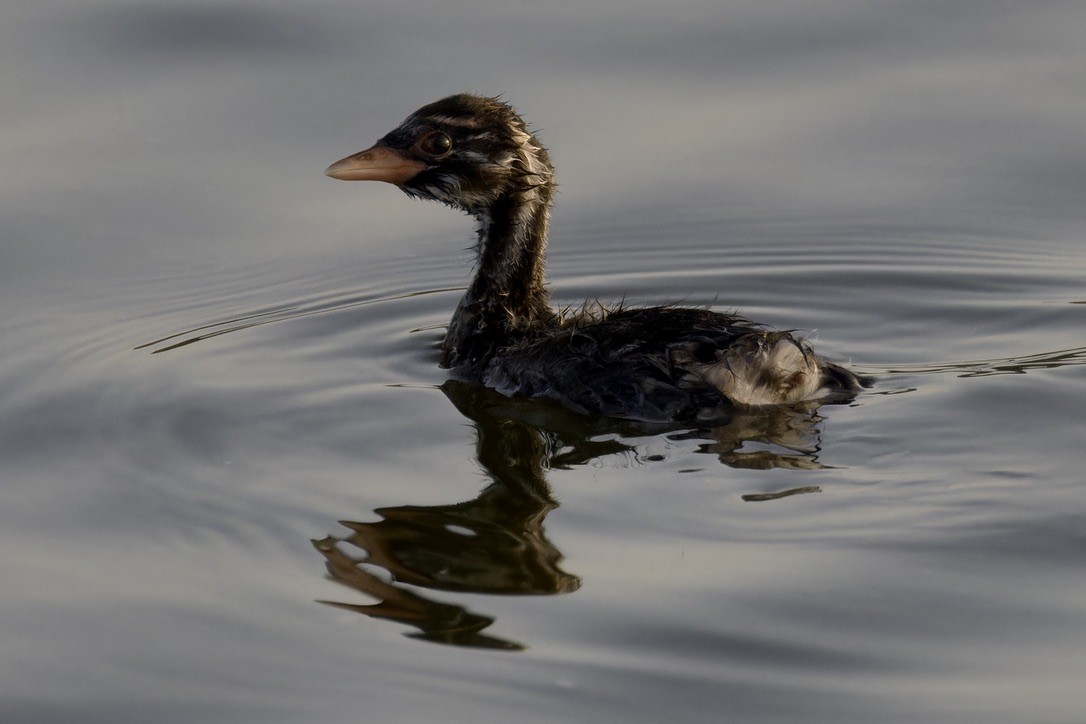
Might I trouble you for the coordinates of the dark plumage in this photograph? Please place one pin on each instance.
(656, 364)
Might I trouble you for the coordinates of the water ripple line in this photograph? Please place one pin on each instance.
(280, 313)
(1019, 364)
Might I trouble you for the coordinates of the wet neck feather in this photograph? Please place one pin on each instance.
(507, 299)
(512, 249)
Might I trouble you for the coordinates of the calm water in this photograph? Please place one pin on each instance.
(235, 487)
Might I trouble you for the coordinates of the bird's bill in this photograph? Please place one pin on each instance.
(378, 163)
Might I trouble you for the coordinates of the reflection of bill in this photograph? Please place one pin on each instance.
(496, 543)
(436, 621)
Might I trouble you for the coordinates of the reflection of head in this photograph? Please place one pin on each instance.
(488, 545)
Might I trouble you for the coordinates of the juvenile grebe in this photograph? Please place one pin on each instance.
(655, 364)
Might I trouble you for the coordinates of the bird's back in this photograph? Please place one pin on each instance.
(665, 364)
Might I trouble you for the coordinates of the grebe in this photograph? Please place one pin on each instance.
(666, 363)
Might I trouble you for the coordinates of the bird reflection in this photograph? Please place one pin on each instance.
(496, 542)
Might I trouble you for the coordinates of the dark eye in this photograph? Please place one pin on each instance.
(435, 144)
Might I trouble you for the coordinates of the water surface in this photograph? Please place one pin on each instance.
(235, 486)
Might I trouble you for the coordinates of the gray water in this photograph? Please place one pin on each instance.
(235, 486)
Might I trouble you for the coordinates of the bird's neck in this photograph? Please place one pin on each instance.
(507, 299)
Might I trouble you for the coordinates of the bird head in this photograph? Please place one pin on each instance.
(466, 151)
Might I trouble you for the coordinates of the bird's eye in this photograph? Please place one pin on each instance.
(435, 143)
